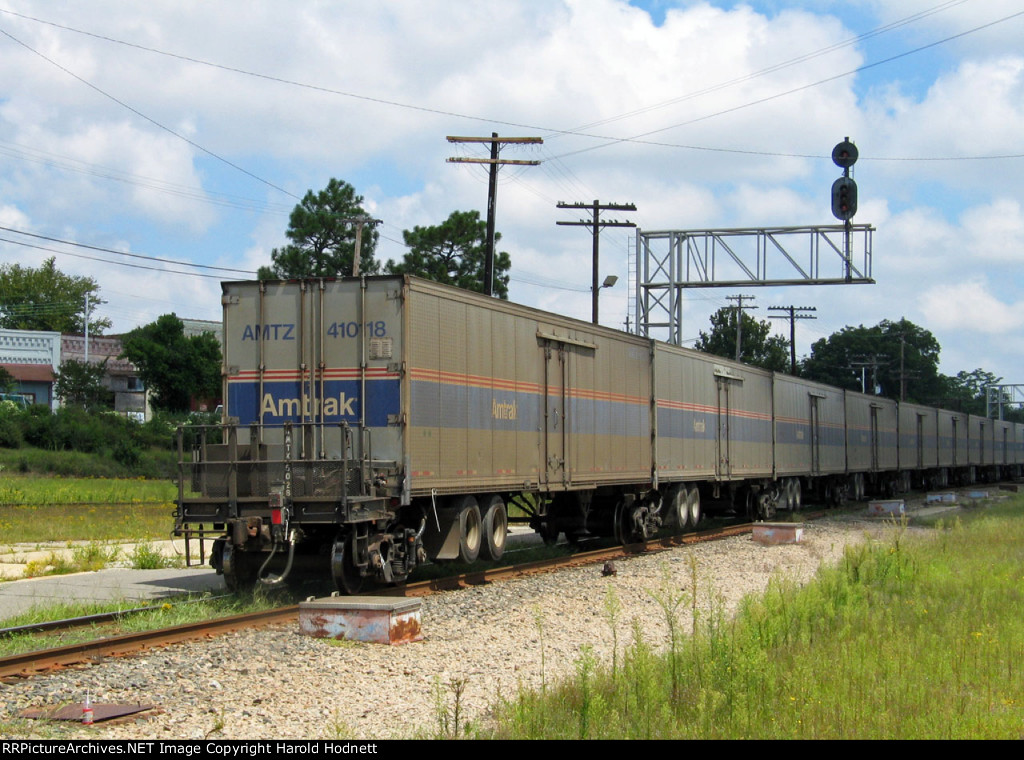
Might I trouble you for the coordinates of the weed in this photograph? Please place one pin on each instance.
(218, 725)
(538, 620)
(584, 674)
(86, 558)
(338, 728)
(670, 598)
(449, 717)
(148, 557)
(612, 609)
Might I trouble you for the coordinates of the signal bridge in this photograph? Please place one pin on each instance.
(669, 261)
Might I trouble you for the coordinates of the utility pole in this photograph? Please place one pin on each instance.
(793, 316)
(874, 361)
(359, 221)
(86, 328)
(739, 320)
(596, 225)
(492, 187)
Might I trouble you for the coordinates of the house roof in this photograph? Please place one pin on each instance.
(30, 373)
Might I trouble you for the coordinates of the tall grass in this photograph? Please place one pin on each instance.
(21, 490)
(906, 638)
(39, 509)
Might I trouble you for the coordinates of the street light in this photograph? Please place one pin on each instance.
(609, 281)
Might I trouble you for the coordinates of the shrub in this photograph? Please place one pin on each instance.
(10, 432)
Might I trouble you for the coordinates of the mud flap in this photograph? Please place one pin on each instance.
(443, 543)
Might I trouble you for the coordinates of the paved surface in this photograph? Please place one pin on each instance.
(111, 585)
(115, 584)
(19, 594)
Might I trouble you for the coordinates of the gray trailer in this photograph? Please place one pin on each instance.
(371, 423)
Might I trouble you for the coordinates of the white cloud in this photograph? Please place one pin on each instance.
(970, 307)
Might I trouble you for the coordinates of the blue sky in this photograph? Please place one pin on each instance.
(87, 114)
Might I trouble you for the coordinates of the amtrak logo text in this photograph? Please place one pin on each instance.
(306, 407)
(503, 410)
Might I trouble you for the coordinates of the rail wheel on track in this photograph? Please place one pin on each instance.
(629, 525)
(240, 567)
(347, 578)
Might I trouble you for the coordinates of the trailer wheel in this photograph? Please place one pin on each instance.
(678, 507)
(495, 523)
(470, 529)
(796, 498)
(693, 506)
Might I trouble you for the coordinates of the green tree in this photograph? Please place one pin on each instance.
(454, 253)
(965, 392)
(81, 384)
(7, 381)
(47, 299)
(894, 355)
(176, 368)
(323, 237)
(759, 348)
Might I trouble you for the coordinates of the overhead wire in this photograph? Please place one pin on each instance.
(101, 249)
(803, 58)
(578, 131)
(516, 177)
(151, 120)
(110, 261)
(768, 98)
(66, 163)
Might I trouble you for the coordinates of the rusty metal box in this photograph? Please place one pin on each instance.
(376, 619)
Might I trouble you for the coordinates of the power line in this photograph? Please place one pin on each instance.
(776, 96)
(782, 65)
(66, 163)
(125, 253)
(577, 131)
(151, 120)
(108, 261)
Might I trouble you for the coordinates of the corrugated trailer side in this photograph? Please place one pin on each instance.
(507, 398)
(871, 433)
(952, 432)
(1018, 431)
(810, 427)
(980, 440)
(1002, 442)
(919, 444)
(713, 417)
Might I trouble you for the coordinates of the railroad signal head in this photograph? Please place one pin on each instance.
(844, 198)
(844, 155)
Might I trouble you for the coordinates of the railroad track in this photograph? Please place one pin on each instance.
(31, 663)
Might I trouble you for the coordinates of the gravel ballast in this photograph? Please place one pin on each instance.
(277, 683)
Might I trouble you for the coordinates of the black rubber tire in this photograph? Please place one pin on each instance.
(495, 525)
(693, 506)
(470, 529)
(678, 506)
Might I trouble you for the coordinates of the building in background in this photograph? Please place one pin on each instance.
(32, 358)
(130, 397)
